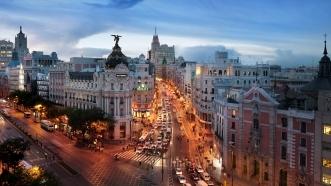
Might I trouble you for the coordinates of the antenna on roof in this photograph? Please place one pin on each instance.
(155, 30)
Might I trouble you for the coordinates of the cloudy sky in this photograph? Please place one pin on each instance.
(286, 32)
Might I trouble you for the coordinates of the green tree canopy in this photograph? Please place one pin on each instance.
(12, 151)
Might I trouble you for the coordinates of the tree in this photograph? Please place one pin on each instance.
(12, 152)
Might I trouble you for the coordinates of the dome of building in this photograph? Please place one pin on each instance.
(116, 57)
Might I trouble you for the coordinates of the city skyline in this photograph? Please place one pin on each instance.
(253, 31)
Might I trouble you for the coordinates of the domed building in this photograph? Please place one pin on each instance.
(110, 89)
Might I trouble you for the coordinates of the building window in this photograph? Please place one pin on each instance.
(282, 177)
(233, 113)
(283, 152)
(284, 136)
(234, 163)
(266, 176)
(303, 127)
(122, 130)
(303, 142)
(206, 82)
(112, 86)
(111, 112)
(326, 179)
(302, 160)
(121, 100)
(233, 138)
(255, 123)
(284, 122)
(112, 100)
(326, 163)
(233, 125)
(327, 129)
(121, 86)
(121, 112)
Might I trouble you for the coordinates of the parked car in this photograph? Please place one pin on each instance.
(181, 179)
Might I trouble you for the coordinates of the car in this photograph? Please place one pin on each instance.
(181, 179)
(205, 176)
(195, 177)
(199, 169)
(179, 171)
(139, 150)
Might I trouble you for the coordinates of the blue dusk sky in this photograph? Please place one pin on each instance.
(286, 32)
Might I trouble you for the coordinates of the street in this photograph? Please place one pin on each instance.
(75, 165)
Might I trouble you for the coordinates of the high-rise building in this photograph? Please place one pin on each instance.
(21, 45)
(6, 50)
(161, 55)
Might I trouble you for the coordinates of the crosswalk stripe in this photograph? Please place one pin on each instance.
(131, 155)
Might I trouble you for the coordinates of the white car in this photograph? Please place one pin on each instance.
(139, 150)
(179, 171)
(181, 179)
(199, 169)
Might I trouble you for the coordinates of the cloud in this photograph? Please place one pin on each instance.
(288, 58)
(122, 4)
(204, 53)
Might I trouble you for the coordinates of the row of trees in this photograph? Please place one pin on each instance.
(27, 99)
(12, 174)
(78, 119)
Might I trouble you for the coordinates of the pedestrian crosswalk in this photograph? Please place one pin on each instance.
(143, 158)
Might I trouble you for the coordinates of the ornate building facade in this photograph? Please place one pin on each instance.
(110, 89)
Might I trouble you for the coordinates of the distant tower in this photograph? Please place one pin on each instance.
(21, 45)
(155, 42)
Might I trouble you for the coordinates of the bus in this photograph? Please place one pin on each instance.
(47, 125)
(27, 114)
